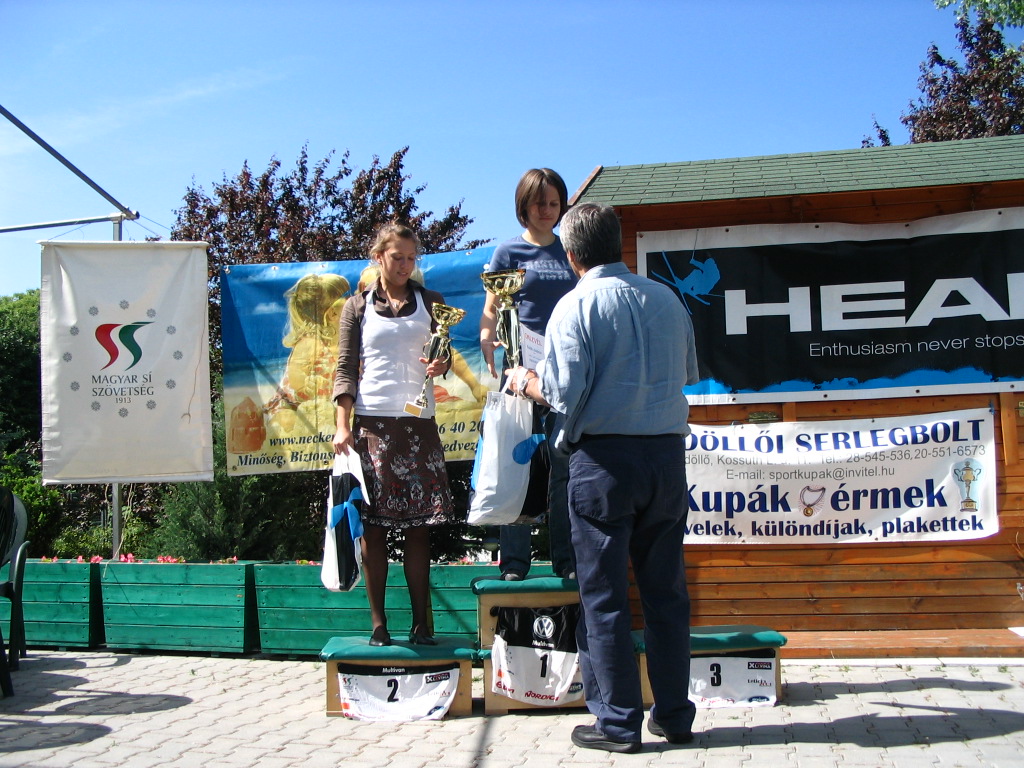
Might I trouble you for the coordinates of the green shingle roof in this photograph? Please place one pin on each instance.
(970, 161)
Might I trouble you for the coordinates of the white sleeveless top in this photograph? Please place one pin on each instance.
(392, 373)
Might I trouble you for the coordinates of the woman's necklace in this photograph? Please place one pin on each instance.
(396, 303)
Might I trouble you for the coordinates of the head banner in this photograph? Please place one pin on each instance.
(842, 311)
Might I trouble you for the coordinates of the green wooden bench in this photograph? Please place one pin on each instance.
(62, 605)
(298, 616)
(202, 607)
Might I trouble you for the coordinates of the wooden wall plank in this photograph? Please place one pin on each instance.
(936, 608)
(860, 622)
(1009, 420)
(829, 590)
(813, 577)
(779, 556)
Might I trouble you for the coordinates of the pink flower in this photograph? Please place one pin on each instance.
(96, 559)
(129, 558)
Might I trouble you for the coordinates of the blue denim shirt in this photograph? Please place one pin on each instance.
(618, 350)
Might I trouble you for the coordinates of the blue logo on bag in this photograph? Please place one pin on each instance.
(348, 510)
(523, 452)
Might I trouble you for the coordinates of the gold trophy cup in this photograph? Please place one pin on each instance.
(438, 347)
(503, 284)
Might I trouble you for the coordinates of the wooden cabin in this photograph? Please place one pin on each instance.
(954, 598)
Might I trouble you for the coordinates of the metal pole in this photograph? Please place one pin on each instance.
(115, 519)
(68, 223)
(118, 220)
(130, 215)
(115, 491)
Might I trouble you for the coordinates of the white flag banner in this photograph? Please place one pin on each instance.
(125, 360)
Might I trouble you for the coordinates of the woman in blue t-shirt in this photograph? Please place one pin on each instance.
(541, 199)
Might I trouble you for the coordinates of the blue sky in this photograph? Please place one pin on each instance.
(147, 97)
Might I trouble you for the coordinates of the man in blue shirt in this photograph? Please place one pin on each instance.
(618, 350)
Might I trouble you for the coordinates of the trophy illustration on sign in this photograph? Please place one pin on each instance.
(966, 474)
(503, 284)
(438, 347)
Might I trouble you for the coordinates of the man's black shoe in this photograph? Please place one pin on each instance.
(671, 738)
(588, 737)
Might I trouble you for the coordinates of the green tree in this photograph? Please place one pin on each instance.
(1005, 13)
(61, 513)
(21, 422)
(983, 96)
(20, 407)
(228, 517)
(314, 212)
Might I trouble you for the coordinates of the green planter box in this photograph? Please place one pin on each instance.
(297, 616)
(62, 605)
(206, 607)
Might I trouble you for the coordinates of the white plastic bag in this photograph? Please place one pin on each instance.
(343, 554)
(501, 471)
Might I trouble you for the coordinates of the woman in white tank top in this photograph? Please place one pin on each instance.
(380, 368)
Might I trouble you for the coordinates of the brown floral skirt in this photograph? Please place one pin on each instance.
(403, 466)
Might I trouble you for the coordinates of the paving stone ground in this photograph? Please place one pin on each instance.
(93, 709)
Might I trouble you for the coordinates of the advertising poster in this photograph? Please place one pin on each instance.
(840, 311)
(280, 354)
(930, 477)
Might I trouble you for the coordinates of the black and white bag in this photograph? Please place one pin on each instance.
(343, 554)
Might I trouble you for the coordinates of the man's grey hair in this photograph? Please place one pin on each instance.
(592, 232)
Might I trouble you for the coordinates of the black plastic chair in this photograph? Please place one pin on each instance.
(12, 588)
(13, 548)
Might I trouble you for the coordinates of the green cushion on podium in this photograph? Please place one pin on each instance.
(359, 649)
(486, 586)
(724, 639)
